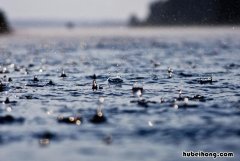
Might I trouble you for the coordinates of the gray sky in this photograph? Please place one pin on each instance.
(74, 9)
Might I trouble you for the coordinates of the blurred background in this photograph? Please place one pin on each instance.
(117, 13)
(77, 12)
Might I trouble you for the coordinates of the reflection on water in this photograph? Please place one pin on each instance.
(169, 94)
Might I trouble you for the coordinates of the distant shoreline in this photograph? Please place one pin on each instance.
(83, 33)
(103, 24)
(190, 12)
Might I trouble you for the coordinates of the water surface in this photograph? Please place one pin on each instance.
(158, 125)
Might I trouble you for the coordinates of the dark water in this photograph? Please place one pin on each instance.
(196, 108)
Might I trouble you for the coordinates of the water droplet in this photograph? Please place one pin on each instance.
(162, 100)
(49, 112)
(101, 100)
(35, 79)
(115, 80)
(170, 70)
(150, 123)
(186, 100)
(94, 85)
(98, 117)
(63, 74)
(44, 142)
(9, 109)
(175, 106)
(139, 93)
(137, 87)
(180, 93)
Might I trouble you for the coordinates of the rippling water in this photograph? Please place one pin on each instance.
(190, 99)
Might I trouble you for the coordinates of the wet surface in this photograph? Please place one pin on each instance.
(127, 98)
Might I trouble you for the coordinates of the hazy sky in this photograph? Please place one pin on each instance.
(74, 9)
